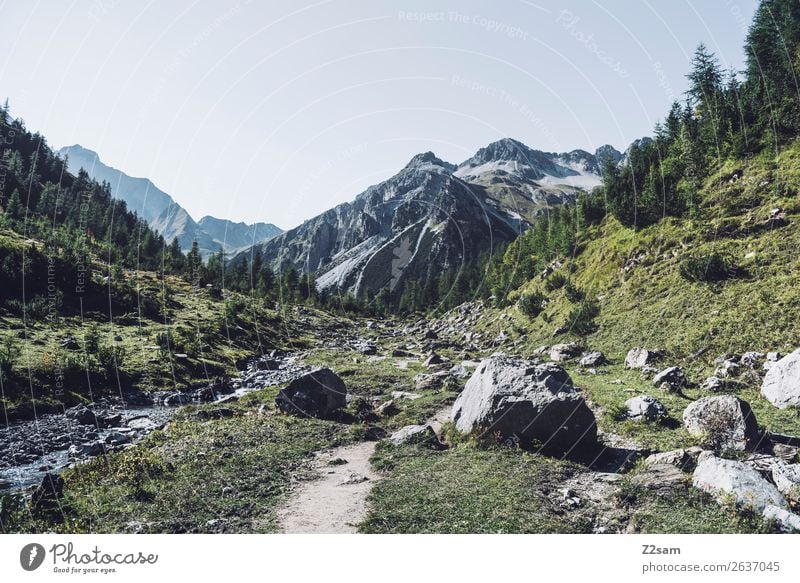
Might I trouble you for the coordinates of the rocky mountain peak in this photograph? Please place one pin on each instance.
(429, 161)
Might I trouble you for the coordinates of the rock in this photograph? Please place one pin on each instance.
(661, 478)
(724, 422)
(318, 394)
(533, 403)
(728, 368)
(267, 364)
(671, 379)
(644, 408)
(400, 353)
(785, 520)
(735, 481)
(405, 395)
(751, 359)
(138, 398)
(787, 479)
(459, 371)
(219, 413)
(82, 414)
(117, 438)
(177, 399)
(562, 352)
(713, 384)
(685, 459)
(84, 450)
(433, 360)
(781, 385)
(595, 358)
(367, 348)
(639, 357)
(414, 434)
(388, 409)
(48, 493)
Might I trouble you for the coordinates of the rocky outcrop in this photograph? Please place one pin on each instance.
(781, 385)
(724, 422)
(318, 394)
(534, 403)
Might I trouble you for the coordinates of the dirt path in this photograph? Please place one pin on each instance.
(336, 500)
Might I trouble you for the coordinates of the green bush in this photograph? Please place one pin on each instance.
(532, 304)
(111, 357)
(9, 354)
(581, 320)
(708, 267)
(555, 281)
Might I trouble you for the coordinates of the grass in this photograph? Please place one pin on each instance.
(468, 490)
(222, 475)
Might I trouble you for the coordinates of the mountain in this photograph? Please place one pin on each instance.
(161, 211)
(236, 235)
(431, 216)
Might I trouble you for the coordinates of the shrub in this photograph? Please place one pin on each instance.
(573, 293)
(111, 357)
(532, 304)
(581, 319)
(555, 281)
(708, 267)
(9, 354)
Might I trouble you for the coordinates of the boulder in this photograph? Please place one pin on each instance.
(595, 358)
(639, 357)
(713, 384)
(317, 393)
(433, 360)
(685, 459)
(414, 434)
(177, 399)
(787, 479)
(728, 368)
(724, 422)
(785, 520)
(531, 402)
(459, 372)
(781, 385)
(671, 379)
(644, 408)
(562, 352)
(83, 415)
(735, 481)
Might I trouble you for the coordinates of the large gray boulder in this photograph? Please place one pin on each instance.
(671, 379)
(787, 479)
(724, 422)
(640, 357)
(644, 408)
(781, 385)
(734, 481)
(520, 399)
(318, 393)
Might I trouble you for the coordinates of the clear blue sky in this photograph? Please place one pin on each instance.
(278, 110)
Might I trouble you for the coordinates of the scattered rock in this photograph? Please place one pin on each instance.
(724, 422)
(713, 384)
(639, 357)
(517, 398)
(459, 371)
(663, 478)
(781, 385)
(685, 459)
(595, 358)
(82, 414)
(787, 479)
(644, 408)
(433, 360)
(414, 434)
(318, 394)
(671, 379)
(388, 409)
(562, 352)
(405, 395)
(177, 399)
(751, 359)
(730, 480)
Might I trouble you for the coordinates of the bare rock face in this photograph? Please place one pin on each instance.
(317, 394)
(724, 422)
(781, 385)
(534, 403)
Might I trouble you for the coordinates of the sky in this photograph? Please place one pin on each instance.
(278, 110)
